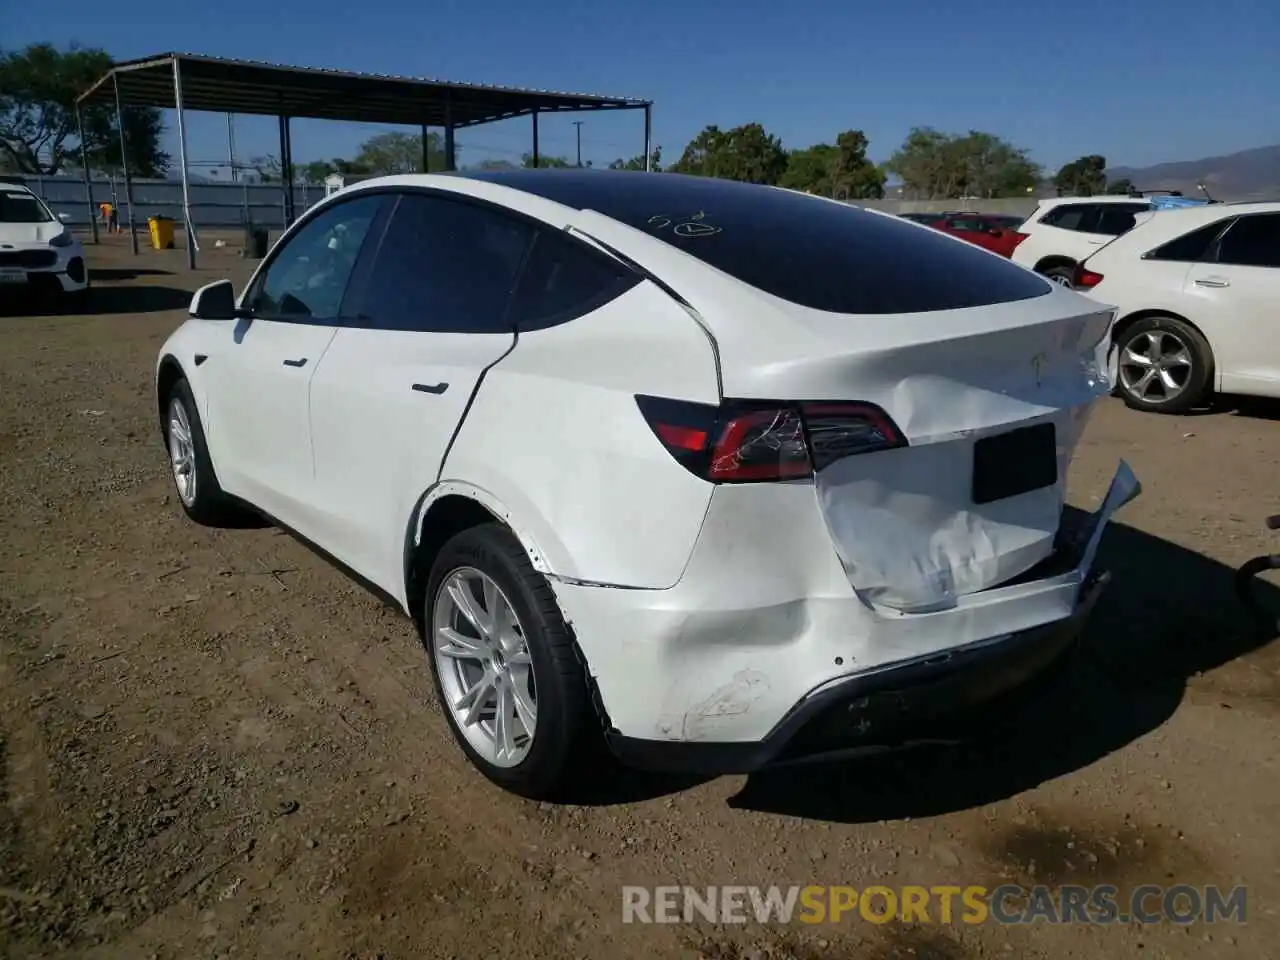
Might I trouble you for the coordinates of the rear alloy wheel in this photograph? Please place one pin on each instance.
(1163, 365)
(505, 666)
(1062, 276)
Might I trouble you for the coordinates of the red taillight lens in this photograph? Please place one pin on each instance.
(1086, 279)
(752, 442)
(1018, 237)
(761, 445)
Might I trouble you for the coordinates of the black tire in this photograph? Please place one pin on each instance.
(210, 506)
(1059, 274)
(567, 734)
(1198, 379)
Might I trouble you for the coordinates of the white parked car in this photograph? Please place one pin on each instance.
(1196, 292)
(38, 253)
(702, 467)
(1065, 230)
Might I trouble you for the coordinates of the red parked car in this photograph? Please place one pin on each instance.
(995, 232)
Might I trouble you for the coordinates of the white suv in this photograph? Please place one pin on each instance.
(717, 472)
(1197, 292)
(1065, 230)
(39, 254)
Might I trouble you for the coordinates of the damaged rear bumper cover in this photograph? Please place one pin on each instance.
(890, 708)
(896, 705)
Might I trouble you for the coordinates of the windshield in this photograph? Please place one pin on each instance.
(16, 207)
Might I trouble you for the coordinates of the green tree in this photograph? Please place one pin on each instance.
(143, 128)
(935, 165)
(1119, 187)
(317, 170)
(842, 171)
(1082, 177)
(389, 153)
(748, 153)
(637, 162)
(38, 89)
(492, 164)
(544, 162)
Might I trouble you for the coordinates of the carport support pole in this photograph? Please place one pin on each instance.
(426, 153)
(124, 163)
(648, 138)
(535, 136)
(450, 153)
(182, 159)
(88, 182)
(286, 170)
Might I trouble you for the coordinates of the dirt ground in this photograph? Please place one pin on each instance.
(213, 745)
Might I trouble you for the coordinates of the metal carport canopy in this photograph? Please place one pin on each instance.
(219, 85)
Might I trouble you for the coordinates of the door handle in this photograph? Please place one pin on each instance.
(1213, 282)
(436, 388)
(296, 363)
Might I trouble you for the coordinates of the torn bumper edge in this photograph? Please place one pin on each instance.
(876, 710)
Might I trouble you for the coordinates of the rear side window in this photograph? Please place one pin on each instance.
(445, 266)
(1116, 219)
(1067, 216)
(1252, 241)
(563, 279)
(812, 252)
(1188, 248)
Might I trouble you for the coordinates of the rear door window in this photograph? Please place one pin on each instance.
(1190, 247)
(1252, 241)
(1069, 216)
(809, 251)
(564, 279)
(1115, 219)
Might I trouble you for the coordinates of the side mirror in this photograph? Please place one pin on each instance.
(214, 301)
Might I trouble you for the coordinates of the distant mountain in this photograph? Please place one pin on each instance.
(1236, 176)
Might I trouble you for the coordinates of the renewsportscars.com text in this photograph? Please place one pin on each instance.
(1006, 904)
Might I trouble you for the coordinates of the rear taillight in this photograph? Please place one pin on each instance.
(1086, 279)
(752, 441)
(1018, 237)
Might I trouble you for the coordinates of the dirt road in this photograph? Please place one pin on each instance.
(213, 745)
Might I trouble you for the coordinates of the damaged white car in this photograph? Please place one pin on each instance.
(701, 466)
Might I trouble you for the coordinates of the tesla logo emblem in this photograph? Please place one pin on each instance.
(1038, 363)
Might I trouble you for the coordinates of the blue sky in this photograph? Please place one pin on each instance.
(1139, 82)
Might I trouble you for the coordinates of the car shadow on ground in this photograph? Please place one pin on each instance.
(103, 302)
(112, 274)
(1168, 614)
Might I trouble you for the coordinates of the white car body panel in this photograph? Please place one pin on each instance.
(703, 611)
(556, 429)
(1233, 306)
(379, 443)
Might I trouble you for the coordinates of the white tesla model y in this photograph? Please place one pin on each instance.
(699, 467)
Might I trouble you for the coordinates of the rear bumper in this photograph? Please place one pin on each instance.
(892, 708)
(763, 653)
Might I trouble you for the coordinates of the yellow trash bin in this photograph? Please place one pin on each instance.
(161, 229)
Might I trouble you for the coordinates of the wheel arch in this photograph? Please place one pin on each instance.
(445, 510)
(1053, 260)
(168, 372)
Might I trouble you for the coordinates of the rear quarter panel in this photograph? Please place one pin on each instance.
(555, 435)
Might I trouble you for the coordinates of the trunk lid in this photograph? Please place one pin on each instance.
(961, 509)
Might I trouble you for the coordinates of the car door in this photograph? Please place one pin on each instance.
(257, 379)
(1237, 287)
(391, 391)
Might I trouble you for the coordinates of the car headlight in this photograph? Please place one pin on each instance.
(63, 239)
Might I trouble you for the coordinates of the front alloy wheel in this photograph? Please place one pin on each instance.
(182, 452)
